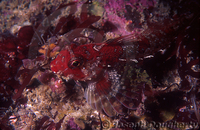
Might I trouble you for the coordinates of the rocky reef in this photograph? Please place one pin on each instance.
(162, 41)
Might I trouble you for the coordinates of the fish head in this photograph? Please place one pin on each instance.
(68, 65)
(74, 63)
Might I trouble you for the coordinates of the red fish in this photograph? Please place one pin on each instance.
(109, 69)
(102, 67)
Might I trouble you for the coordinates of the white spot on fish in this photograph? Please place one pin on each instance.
(63, 58)
(98, 47)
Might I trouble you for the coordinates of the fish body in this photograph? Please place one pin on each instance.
(112, 69)
(106, 70)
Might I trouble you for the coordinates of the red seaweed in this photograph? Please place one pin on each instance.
(168, 48)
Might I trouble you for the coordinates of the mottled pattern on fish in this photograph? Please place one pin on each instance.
(109, 69)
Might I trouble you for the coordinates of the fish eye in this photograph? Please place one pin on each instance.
(75, 63)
